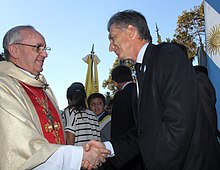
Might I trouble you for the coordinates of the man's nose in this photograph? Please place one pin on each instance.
(111, 47)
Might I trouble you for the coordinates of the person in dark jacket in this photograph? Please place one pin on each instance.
(171, 127)
(122, 116)
(208, 96)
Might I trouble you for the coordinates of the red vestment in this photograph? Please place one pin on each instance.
(48, 115)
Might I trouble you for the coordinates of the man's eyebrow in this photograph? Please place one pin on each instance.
(40, 44)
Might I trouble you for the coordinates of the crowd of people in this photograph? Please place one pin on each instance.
(164, 119)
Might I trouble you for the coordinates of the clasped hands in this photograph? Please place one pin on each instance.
(94, 154)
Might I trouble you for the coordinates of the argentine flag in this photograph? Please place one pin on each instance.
(212, 27)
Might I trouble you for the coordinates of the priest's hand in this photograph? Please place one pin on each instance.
(94, 154)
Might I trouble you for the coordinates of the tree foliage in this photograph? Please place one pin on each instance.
(190, 29)
(108, 83)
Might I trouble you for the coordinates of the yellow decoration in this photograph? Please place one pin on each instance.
(92, 82)
(213, 40)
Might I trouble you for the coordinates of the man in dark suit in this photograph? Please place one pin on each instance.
(172, 130)
(208, 96)
(122, 116)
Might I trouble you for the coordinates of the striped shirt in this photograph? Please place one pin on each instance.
(83, 125)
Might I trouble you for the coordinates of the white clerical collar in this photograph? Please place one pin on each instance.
(28, 73)
(141, 53)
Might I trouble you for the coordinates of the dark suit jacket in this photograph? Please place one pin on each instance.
(172, 131)
(207, 94)
(122, 121)
(122, 116)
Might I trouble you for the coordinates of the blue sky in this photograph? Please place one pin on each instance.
(71, 27)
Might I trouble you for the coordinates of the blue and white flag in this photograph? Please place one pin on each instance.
(212, 27)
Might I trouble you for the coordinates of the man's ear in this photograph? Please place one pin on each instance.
(131, 31)
(13, 50)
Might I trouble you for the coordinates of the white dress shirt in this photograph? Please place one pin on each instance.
(139, 59)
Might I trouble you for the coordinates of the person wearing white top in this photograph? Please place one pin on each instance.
(31, 131)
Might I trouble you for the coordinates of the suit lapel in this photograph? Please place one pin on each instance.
(145, 62)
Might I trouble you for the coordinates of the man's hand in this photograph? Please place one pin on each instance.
(99, 145)
(94, 154)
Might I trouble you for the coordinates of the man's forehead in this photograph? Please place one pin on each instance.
(109, 35)
(112, 32)
(34, 37)
(31, 32)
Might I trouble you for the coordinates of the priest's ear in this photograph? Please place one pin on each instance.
(13, 51)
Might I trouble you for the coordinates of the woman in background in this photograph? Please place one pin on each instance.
(81, 123)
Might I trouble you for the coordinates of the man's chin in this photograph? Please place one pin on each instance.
(39, 71)
(122, 58)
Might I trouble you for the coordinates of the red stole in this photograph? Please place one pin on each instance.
(51, 127)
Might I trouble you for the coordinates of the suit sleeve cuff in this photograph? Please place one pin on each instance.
(108, 146)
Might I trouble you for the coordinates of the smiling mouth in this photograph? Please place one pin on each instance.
(117, 53)
(40, 61)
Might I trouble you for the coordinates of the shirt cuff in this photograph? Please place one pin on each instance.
(108, 146)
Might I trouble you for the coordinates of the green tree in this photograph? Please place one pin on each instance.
(108, 83)
(190, 29)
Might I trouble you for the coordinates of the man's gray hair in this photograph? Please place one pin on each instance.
(13, 36)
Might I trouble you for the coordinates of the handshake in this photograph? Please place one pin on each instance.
(94, 154)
